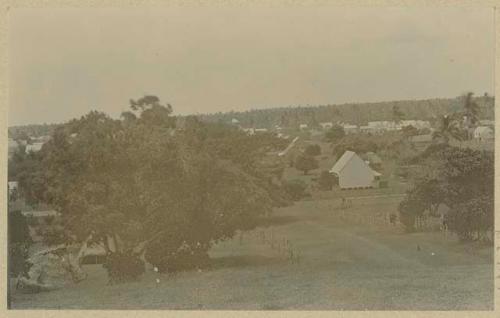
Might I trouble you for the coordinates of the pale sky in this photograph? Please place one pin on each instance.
(64, 63)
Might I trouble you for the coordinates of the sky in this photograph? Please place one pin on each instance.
(66, 62)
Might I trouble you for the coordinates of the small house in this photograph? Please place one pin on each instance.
(484, 133)
(303, 126)
(326, 125)
(34, 147)
(354, 173)
(249, 131)
(418, 124)
(350, 129)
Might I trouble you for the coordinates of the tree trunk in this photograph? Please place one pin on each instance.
(75, 259)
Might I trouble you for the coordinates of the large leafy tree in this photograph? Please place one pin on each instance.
(461, 178)
(335, 134)
(139, 185)
(313, 150)
(306, 163)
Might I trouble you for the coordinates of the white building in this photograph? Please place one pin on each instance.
(354, 173)
(484, 133)
(260, 130)
(350, 129)
(283, 136)
(384, 125)
(40, 214)
(303, 126)
(366, 129)
(326, 125)
(34, 147)
(419, 124)
(249, 131)
(235, 121)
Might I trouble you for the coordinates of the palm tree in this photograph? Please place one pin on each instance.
(471, 112)
(450, 129)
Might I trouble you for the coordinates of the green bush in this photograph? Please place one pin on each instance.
(177, 255)
(313, 150)
(326, 181)
(335, 134)
(306, 163)
(123, 267)
(296, 189)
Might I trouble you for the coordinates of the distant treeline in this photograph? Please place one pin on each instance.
(292, 117)
(27, 131)
(354, 113)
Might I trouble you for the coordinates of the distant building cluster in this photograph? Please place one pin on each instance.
(35, 144)
(375, 127)
(484, 133)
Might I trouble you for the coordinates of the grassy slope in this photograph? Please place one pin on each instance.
(345, 264)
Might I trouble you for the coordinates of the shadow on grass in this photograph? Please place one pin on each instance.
(244, 261)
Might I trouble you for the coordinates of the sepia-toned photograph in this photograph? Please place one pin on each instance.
(314, 158)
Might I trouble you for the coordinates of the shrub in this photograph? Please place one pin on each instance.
(410, 209)
(335, 133)
(357, 144)
(49, 219)
(122, 267)
(296, 189)
(326, 181)
(313, 150)
(177, 255)
(473, 219)
(305, 163)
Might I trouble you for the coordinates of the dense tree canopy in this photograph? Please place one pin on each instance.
(313, 150)
(463, 180)
(306, 163)
(141, 184)
(335, 134)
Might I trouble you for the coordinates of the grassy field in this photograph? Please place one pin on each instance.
(342, 260)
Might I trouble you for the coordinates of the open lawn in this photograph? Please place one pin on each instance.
(342, 260)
